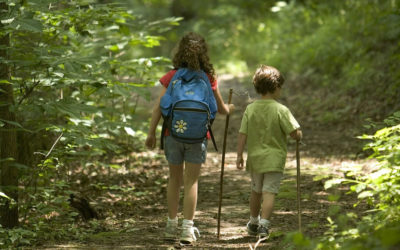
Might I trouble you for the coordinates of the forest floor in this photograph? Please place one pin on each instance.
(135, 219)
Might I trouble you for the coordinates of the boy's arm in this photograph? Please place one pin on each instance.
(297, 134)
(240, 148)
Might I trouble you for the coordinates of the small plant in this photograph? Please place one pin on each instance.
(379, 227)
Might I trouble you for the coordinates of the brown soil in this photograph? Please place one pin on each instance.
(137, 223)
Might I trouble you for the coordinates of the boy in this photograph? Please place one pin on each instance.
(265, 126)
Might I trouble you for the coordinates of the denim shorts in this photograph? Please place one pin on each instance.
(266, 182)
(178, 152)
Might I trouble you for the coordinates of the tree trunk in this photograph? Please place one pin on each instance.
(8, 140)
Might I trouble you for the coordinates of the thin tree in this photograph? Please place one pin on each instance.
(8, 138)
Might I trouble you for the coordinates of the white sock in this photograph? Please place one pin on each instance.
(254, 220)
(187, 223)
(172, 221)
(265, 223)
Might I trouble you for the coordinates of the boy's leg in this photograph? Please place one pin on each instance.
(266, 212)
(269, 190)
(255, 203)
(267, 205)
(174, 184)
(256, 193)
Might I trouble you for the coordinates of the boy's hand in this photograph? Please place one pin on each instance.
(239, 162)
(297, 134)
(150, 141)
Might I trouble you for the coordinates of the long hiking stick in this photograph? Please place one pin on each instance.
(221, 181)
(298, 183)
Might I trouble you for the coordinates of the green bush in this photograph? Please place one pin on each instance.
(379, 227)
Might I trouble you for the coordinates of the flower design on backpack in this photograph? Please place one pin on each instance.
(180, 126)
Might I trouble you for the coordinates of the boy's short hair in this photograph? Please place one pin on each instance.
(267, 79)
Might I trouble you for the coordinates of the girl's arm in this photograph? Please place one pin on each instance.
(222, 107)
(155, 118)
(240, 148)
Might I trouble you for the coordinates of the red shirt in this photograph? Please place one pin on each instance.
(166, 79)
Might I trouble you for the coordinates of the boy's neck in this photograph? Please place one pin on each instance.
(272, 96)
(268, 97)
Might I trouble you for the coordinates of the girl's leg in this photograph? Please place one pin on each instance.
(191, 177)
(174, 185)
(255, 203)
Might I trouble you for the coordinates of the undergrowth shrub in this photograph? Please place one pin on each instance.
(378, 227)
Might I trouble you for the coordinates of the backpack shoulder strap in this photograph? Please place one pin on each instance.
(177, 75)
(213, 139)
(164, 126)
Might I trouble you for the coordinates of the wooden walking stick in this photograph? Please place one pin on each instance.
(222, 164)
(298, 183)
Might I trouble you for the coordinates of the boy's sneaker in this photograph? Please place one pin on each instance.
(188, 237)
(252, 229)
(170, 231)
(263, 232)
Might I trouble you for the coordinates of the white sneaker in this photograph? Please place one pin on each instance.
(170, 230)
(187, 236)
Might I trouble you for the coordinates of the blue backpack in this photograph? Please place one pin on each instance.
(188, 107)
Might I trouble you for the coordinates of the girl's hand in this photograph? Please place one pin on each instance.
(151, 141)
(231, 107)
(239, 162)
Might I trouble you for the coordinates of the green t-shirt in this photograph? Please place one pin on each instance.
(267, 124)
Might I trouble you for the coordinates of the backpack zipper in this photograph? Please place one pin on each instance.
(192, 110)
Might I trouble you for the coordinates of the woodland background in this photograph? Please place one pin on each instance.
(77, 81)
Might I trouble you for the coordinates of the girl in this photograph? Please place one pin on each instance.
(185, 159)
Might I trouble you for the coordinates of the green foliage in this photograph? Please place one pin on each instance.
(345, 53)
(338, 50)
(78, 70)
(380, 226)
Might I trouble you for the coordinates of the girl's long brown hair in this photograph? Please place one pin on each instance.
(192, 53)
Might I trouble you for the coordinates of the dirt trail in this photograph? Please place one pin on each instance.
(149, 214)
(321, 157)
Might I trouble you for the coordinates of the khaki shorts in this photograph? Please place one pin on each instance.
(266, 182)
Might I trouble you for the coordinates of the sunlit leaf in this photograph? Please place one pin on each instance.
(129, 131)
(4, 195)
(365, 194)
(330, 183)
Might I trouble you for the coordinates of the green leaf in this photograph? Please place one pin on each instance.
(7, 21)
(31, 25)
(14, 237)
(19, 165)
(129, 131)
(360, 187)
(365, 194)
(330, 183)
(333, 197)
(115, 166)
(4, 195)
(14, 123)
